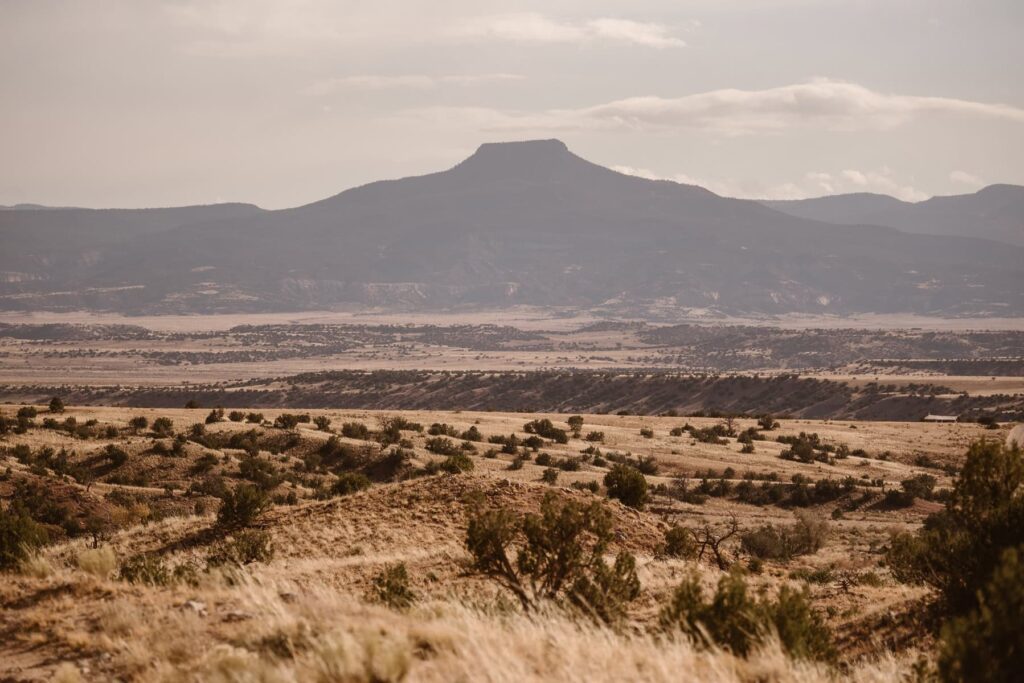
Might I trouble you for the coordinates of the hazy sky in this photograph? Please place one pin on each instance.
(152, 103)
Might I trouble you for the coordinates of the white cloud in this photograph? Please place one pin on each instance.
(638, 172)
(724, 188)
(965, 178)
(812, 184)
(882, 181)
(821, 182)
(409, 81)
(247, 28)
(533, 27)
(821, 104)
(640, 33)
(856, 177)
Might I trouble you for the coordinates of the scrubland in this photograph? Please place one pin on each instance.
(356, 560)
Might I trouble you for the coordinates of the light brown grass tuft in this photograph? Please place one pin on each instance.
(100, 562)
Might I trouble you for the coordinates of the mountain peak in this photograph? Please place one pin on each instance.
(526, 158)
(522, 147)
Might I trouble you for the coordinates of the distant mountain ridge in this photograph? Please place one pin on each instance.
(515, 223)
(995, 212)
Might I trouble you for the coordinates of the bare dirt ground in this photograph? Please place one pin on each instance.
(309, 613)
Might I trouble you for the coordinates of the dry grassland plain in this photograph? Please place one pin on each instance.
(310, 611)
(116, 496)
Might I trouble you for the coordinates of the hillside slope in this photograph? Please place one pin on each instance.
(531, 223)
(995, 212)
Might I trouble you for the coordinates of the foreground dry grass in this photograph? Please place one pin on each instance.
(307, 614)
(259, 630)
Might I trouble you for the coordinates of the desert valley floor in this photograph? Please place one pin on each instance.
(251, 498)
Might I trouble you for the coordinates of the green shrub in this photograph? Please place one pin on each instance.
(117, 456)
(568, 464)
(391, 587)
(349, 483)
(322, 422)
(145, 569)
(509, 445)
(738, 621)
(472, 434)
(243, 548)
(769, 542)
(560, 556)
(680, 542)
(627, 485)
(442, 429)
(822, 575)
(811, 531)
(163, 426)
(457, 463)
(204, 463)
(355, 430)
(960, 547)
(19, 535)
(575, 423)
(801, 631)
(287, 421)
(56, 405)
(441, 445)
(549, 475)
(987, 644)
(390, 466)
(533, 442)
(236, 416)
(260, 472)
(920, 486)
(241, 507)
(547, 429)
(647, 464)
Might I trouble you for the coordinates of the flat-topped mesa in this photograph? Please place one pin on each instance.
(527, 159)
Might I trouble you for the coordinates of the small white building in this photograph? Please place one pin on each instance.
(941, 418)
